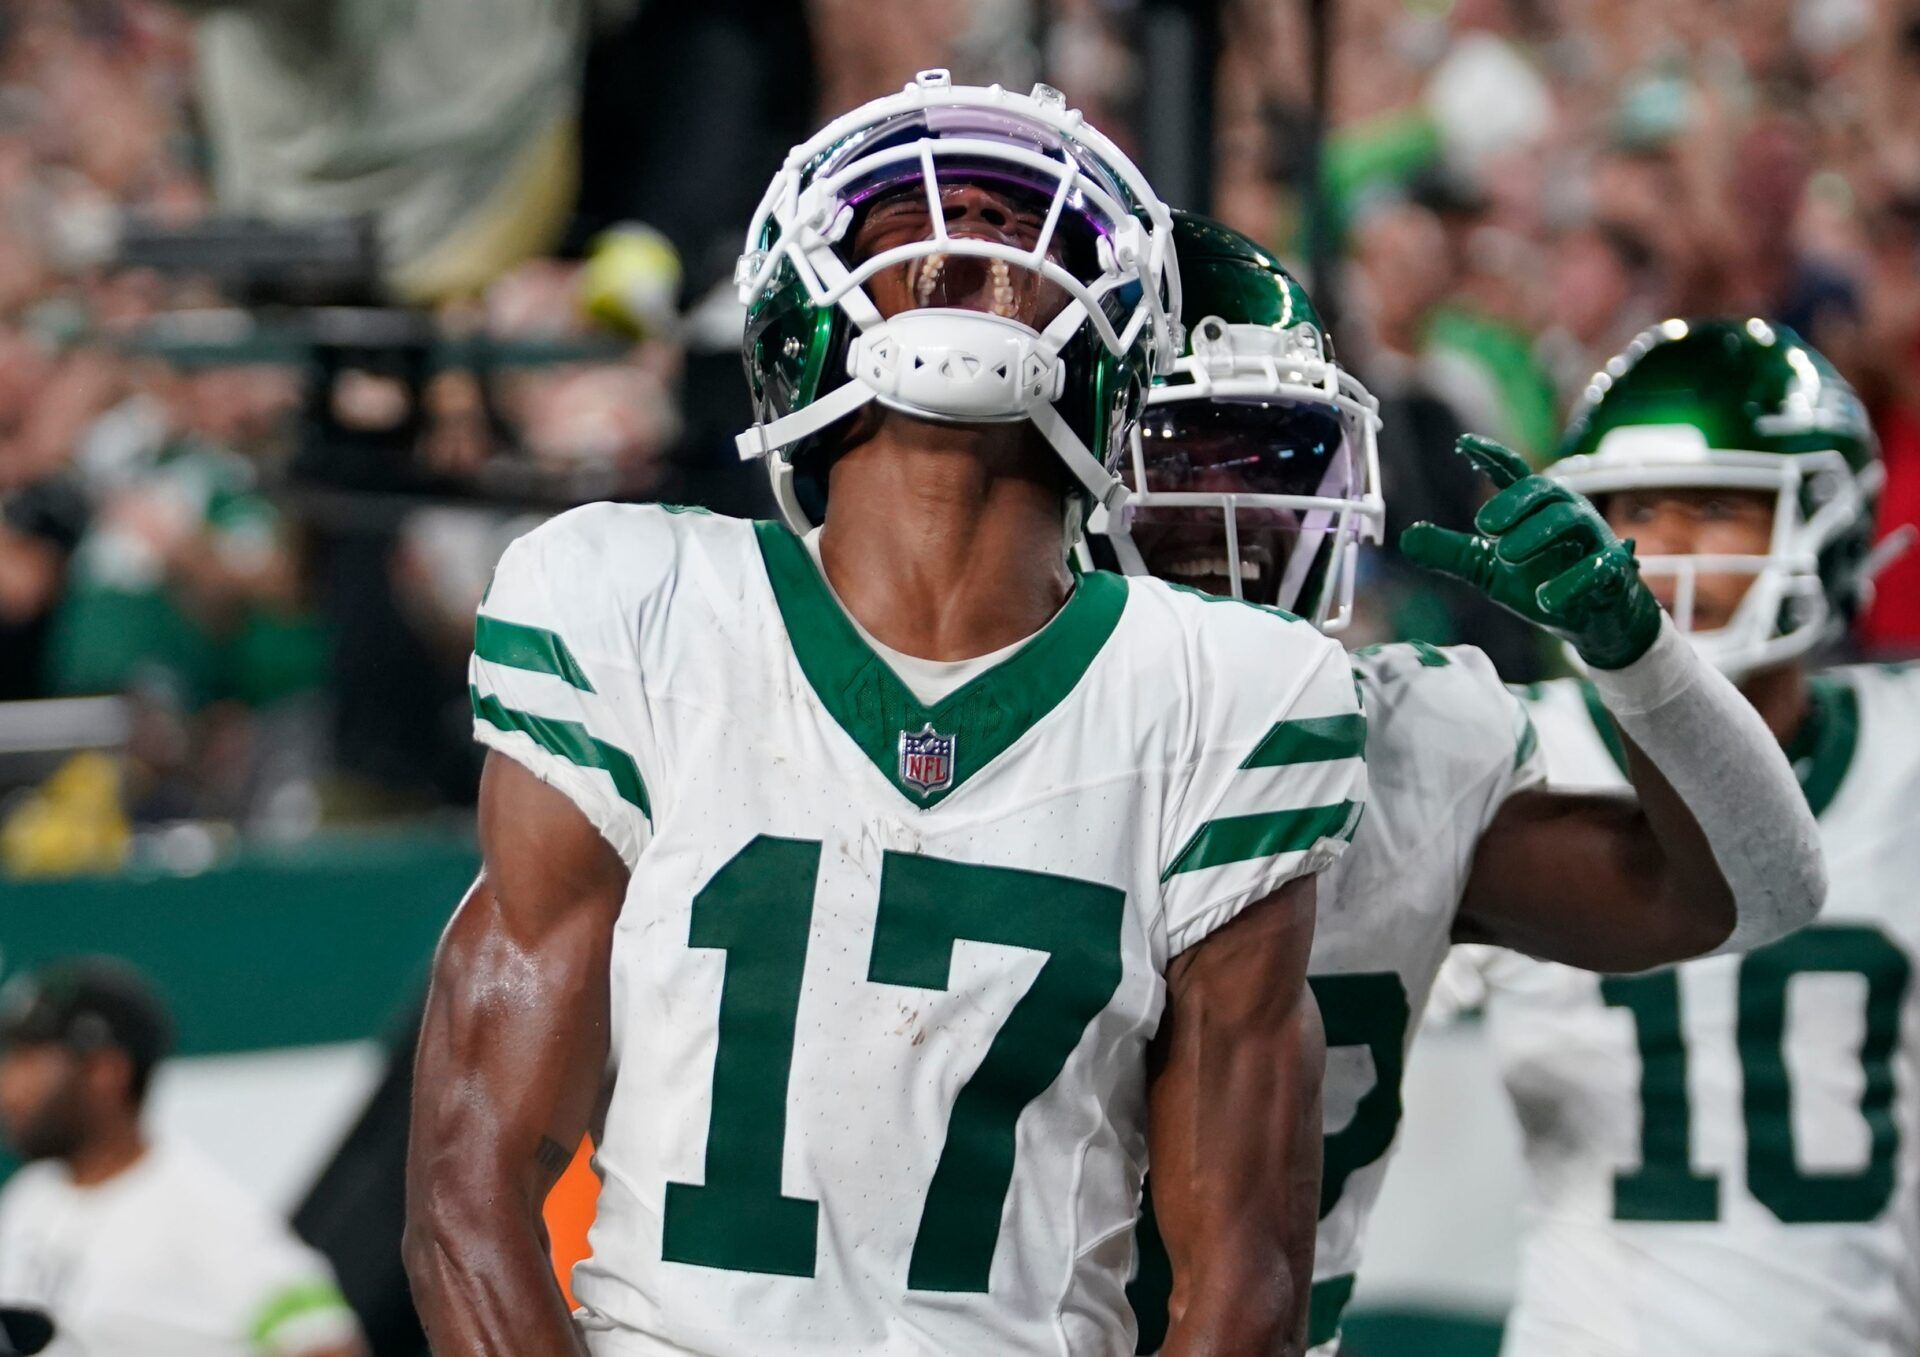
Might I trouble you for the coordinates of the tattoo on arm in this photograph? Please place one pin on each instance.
(502, 1092)
(552, 1156)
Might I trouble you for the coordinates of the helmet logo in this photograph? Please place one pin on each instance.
(926, 759)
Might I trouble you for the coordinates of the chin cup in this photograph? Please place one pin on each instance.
(949, 364)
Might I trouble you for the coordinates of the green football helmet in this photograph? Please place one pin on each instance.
(1744, 405)
(817, 348)
(1254, 470)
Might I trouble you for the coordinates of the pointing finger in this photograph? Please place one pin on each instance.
(1497, 462)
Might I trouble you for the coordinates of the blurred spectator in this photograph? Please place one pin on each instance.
(1402, 257)
(128, 1245)
(1886, 346)
(1598, 166)
(184, 577)
(1603, 289)
(453, 122)
(40, 525)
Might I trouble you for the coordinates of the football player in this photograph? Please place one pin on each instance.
(120, 1241)
(1723, 1159)
(1255, 476)
(875, 890)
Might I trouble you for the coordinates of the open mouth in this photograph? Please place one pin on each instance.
(1182, 555)
(1192, 569)
(970, 283)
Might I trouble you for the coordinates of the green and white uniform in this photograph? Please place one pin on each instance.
(167, 1258)
(1724, 1158)
(1447, 744)
(886, 972)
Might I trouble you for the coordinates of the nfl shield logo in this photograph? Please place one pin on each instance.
(926, 760)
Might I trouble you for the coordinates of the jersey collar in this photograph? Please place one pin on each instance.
(982, 718)
(1821, 750)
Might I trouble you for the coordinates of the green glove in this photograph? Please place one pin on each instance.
(1544, 554)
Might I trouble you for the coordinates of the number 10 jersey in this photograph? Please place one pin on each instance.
(1724, 1157)
(885, 974)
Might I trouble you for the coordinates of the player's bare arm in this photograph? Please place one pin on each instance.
(509, 1071)
(1721, 851)
(1234, 1132)
(1635, 882)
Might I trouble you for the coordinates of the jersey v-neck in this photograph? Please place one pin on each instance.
(1821, 750)
(928, 752)
(930, 681)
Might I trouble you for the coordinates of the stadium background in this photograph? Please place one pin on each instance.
(301, 321)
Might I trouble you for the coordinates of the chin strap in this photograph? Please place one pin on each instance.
(763, 440)
(766, 440)
(1008, 375)
(1113, 521)
(1107, 489)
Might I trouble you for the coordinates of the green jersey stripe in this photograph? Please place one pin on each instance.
(1238, 838)
(531, 648)
(296, 1302)
(1528, 742)
(1311, 739)
(1325, 1304)
(568, 740)
(1430, 656)
(1823, 747)
(1821, 751)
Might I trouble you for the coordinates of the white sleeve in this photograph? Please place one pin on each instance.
(1278, 789)
(1712, 747)
(1520, 763)
(1447, 731)
(302, 1313)
(1529, 768)
(546, 680)
(288, 1301)
(15, 1207)
(277, 1295)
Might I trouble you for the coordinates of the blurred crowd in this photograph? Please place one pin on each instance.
(1509, 191)
(1517, 187)
(152, 544)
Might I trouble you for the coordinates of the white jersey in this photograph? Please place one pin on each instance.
(885, 974)
(1724, 1157)
(166, 1259)
(1447, 744)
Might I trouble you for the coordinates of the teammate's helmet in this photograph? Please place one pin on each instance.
(1742, 405)
(817, 347)
(1255, 464)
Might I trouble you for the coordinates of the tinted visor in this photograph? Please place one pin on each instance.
(1246, 453)
(1247, 447)
(1023, 207)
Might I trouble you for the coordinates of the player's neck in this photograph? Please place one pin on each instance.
(943, 541)
(1782, 698)
(107, 1155)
